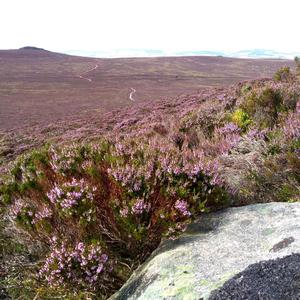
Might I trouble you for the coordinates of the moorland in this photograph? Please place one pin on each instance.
(88, 192)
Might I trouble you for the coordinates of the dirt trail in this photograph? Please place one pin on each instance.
(131, 94)
(82, 75)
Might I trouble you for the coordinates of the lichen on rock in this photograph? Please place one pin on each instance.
(213, 250)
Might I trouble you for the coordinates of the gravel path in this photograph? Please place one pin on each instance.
(82, 75)
(276, 279)
(131, 94)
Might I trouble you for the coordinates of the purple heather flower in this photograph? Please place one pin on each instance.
(80, 247)
(298, 107)
(140, 206)
(43, 214)
(256, 134)
(181, 205)
(104, 258)
(70, 265)
(292, 126)
(17, 207)
(124, 212)
(100, 268)
(229, 128)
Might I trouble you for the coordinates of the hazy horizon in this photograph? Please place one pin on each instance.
(169, 26)
(139, 53)
(127, 53)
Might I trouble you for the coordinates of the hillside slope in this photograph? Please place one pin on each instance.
(38, 87)
(93, 203)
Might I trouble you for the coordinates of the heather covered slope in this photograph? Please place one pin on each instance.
(100, 197)
(38, 87)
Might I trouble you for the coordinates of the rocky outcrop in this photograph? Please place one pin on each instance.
(238, 246)
(273, 279)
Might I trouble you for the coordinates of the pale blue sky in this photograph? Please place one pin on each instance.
(169, 25)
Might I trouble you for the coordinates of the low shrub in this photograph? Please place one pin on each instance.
(297, 61)
(108, 205)
(283, 74)
(263, 107)
(241, 119)
(99, 209)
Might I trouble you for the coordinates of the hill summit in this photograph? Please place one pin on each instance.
(31, 48)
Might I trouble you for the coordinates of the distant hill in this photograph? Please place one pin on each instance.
(31, 48)
(251, 53)
(131, 53)
(262, 53)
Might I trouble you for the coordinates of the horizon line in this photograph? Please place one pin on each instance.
(151, 52)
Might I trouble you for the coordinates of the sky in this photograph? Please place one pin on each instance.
(168, 25)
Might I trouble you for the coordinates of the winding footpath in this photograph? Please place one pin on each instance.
(131, 94)
(81, 76)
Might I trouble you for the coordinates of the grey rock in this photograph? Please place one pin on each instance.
(269, 280)
(3, 294)
(214, 249)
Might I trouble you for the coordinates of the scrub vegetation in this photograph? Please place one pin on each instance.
(80, 216)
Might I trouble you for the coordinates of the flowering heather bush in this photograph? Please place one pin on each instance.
(123, 197)
(110, 202)
(292, 126)
(28, 215)
(72, 197)
(227, 137)
(81, 266)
